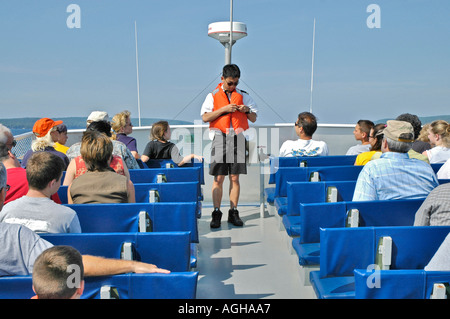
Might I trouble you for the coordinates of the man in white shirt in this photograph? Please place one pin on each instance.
(305, 126)
(228, 110)
(361, 132)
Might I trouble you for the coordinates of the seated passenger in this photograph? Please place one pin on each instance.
(435, 210)
(51, 273)
(103, 125)
(43, 130)
(418, 146)
(439, 135)
(122, 127)
(160, 148)
(375, 139)
(36, 210)
(305, 127)
(21, 246)
(77, 165)
(60, 138)
(423, 135)
(100, 184)
(394, 175)
(17, 176)
(361, 132)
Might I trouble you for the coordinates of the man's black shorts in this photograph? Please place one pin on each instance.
(228, 154)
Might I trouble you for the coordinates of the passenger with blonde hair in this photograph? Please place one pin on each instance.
(423, 135)
(160, 148)
(44, 142)
(122, 128)
(100, 184)
(439, 136)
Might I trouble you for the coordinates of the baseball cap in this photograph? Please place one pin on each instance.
(399, 131)
(43, 126)
(97, 116)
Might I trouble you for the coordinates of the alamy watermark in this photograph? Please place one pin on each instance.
(74, 279)
(74, 19)
(374, 19)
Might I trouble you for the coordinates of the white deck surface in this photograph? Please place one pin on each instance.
(249, 262)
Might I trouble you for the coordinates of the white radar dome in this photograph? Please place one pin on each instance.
(221, 31)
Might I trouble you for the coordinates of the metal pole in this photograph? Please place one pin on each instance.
(312, 66)
(137, 74)
(228, 60)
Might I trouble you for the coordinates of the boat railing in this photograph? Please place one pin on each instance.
(263, 140)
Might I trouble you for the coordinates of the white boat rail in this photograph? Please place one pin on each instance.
(195, 139)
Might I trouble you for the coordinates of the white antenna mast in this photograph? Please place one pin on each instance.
(137, 74)
(227, 32)
(312, 66)
(228, 58)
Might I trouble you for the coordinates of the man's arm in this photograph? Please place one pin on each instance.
(99, 266)
(211, 116)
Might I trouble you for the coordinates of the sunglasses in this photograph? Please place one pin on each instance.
(13, 143)
(7, 187)
(233, 83)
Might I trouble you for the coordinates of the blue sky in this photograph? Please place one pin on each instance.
(50, 70)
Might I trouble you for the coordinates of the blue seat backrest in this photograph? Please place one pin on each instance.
(150, 175)
(289, 174)
(333, 160)
(302, 174)
(168, 250)
(307, 192)
(161, 163)
(344, 249)
(277, 162)
(176, 285)
(371, 213)
(337, 173)
(168, 192)
(397, 284)
(103, 218)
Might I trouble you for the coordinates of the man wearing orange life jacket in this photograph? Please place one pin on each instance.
(228, 111)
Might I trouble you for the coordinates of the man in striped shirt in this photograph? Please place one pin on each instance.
(394, 175)
(435, 210)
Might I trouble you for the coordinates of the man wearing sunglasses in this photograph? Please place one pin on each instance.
(227, 110)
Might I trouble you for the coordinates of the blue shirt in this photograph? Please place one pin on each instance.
(395, 176)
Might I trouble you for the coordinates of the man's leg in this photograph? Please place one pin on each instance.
(233, 214)
(235, 190)
(217, 191)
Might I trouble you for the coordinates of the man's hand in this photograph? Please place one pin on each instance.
(142, 268)
(230, 108)
(243, 108)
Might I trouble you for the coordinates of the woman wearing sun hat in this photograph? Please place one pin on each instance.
(42, 130)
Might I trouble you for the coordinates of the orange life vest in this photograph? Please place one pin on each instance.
(238, 119)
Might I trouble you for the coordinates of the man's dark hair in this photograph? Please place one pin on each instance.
(365, 126)
(309, 123)
(231, 71)
(413, 120)
(100, 126)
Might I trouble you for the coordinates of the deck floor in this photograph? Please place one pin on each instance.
(249, 262)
